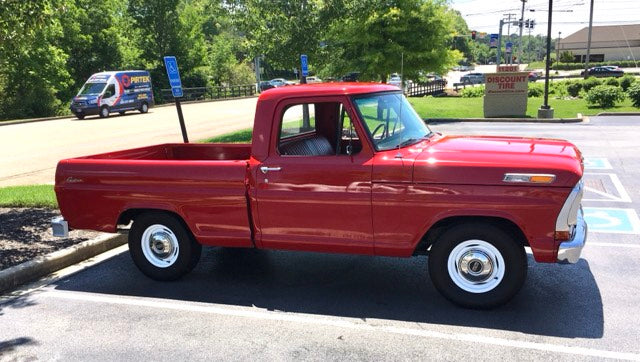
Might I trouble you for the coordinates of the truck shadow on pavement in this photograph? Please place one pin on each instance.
(556, 300)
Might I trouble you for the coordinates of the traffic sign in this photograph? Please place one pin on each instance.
(171, 64)
(304, 65)
(493, 41)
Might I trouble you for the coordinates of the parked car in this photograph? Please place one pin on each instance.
(313, 79)
(533, 76)
(385, 186)
(350, 77)
(278, 82)
(434, 78)
(117, 91)
(264, 85)
(604, 71)
(472, 78)
(395, 80)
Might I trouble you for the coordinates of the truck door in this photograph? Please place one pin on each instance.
(112, 94)
(314, 189)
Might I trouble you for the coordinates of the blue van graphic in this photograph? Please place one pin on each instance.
(118, 91)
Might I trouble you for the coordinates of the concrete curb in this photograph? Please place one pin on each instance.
(618, 114)
(505, 120)
(31, 270)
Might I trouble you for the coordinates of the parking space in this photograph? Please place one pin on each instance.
(276, 305)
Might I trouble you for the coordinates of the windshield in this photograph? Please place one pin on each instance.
(91, 88)
(391, 121)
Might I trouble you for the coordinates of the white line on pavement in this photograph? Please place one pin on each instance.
(341, 323)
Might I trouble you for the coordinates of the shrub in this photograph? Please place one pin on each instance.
(612, 81)
(590, 82)
(627, 81)
(604, 96)
(472, 92)
(574, 88)
(535, 90)
(558, 89)
(634, 94)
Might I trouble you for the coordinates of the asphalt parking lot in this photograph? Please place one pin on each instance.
(275, 305)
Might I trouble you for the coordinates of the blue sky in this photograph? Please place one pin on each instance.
(484, 15)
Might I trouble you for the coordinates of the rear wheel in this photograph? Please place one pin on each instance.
(104, 112)
(144, 107)
(122, 113)
(477, 265)
(162, 247)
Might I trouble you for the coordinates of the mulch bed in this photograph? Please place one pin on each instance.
(25, 233)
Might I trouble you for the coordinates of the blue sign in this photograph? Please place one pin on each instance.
(493, 41)
(612, 220)
(508, 47)
(171, 64)
(304, 65)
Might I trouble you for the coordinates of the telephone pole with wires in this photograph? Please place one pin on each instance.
(521, 24)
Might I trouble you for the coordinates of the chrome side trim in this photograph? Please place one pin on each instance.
(569, 251)
(59, 227)
(569, 212)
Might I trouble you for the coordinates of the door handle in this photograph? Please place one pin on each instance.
(266, 169)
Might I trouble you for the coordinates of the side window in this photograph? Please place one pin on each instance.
(111, 90)
(324, 129)
(295, 122)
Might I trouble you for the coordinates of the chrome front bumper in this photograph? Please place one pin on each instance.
(569, 251)
(59, 227)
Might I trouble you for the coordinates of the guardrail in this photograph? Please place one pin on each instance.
(419, 90)
(205, 93)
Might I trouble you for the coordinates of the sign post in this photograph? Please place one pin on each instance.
(304, 72)
(171, 64)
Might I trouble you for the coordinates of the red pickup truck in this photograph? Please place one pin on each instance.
(341, 168)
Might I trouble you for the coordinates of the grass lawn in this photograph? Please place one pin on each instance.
(28, 196)
(452, 107)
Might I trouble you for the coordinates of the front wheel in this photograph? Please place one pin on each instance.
(477, 265)
(161, 246)
(104, 112)
(144, 107)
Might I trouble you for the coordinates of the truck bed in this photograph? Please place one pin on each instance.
(204, 184)
(181, 151)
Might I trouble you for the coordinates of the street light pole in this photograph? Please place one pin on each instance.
(545, 111)
(586, 61)
(521, 25)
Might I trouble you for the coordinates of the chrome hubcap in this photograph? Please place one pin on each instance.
(476, 266)
(160, 246)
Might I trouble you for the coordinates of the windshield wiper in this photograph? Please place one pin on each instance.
(412, 141)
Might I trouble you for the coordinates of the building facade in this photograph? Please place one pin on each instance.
(608, 43)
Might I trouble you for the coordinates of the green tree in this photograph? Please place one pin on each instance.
(32, 65)
(378, 38)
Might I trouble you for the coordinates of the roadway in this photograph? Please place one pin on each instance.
(278, 305)
(30, 151)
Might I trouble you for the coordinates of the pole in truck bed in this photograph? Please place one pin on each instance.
(171, 64)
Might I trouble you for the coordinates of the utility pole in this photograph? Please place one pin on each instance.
(509, 15)
(586, 61)
(558, 48)
(521, 25)
(498, 55)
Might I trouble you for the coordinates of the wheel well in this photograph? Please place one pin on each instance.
(443, 225)
(130, 215)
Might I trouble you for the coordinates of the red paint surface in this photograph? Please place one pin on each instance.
(379, 203)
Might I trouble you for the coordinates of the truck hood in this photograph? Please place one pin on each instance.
(484, 160)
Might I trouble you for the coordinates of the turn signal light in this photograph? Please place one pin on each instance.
(562, 235)
(529, 177)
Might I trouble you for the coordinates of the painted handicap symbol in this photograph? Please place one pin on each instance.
(612, 220)
(596, 163)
